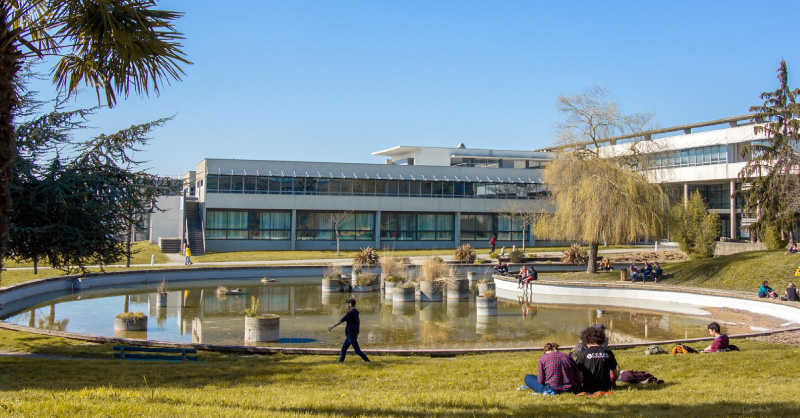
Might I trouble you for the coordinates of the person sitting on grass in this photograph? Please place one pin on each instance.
(766, 291)
(720, 340)
(501, 269)
(791, 293)
(556, 373)
(598, 366)
(792, 249)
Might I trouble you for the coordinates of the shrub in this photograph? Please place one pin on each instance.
(465, 254)
(394, 279)
(393, 266)
(366, 279)
(432, 269)
(772, 238)
(252, 312)
(517, 256)
(333, 272)
(366, 257)
(131, 316)
(479, 261)
(438, 259)
(494, 255)
(575, 255)
(488, 294)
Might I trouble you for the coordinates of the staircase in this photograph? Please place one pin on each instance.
(195, 227)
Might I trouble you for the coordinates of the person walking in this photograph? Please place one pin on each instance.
(350, 331)
(492, 244)
(188, 256)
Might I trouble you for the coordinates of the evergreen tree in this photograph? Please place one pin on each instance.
(694, 228)
(771, 174)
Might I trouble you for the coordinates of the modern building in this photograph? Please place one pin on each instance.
(425, 197)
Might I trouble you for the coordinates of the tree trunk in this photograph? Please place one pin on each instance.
(336, 229)
(523, 238)
(9, 69)
(591, 267)
(128, 245)
(36, 265)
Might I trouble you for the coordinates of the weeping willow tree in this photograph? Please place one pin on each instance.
(600, 200)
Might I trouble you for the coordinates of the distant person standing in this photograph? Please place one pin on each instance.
(188, 256)
(492, 244)
(350, 331)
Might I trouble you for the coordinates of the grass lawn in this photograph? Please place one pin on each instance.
(741, 272)
(142, 252)
(757, 382)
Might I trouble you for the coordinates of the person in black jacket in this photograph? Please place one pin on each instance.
(350, 331)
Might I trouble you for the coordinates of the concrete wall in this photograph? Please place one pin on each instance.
(166, 224)
(727, 248)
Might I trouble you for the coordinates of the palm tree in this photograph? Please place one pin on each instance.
(113, 46)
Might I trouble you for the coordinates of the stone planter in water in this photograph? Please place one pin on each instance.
(483, 287)
(430, 291)
(330, 285)
(458, 289)
(130, 324)
(260, 330)
(486, 306)
(390, 286)
(161, 300)
(403, 294)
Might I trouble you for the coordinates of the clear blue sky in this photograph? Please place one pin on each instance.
(337, 80)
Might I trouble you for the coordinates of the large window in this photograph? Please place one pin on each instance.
(717, 154)
(481, 227)
(252, 184)
(240, 224)
(717, 196)
(417, 226)
(320, 226)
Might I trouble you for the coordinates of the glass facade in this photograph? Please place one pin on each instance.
(417, 226)
(717, 196)
(239, 224)
(717, 154)
(481, 226)
(320, 226)
(248, 184)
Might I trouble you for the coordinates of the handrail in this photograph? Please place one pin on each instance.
(687, 129)
(202, 226)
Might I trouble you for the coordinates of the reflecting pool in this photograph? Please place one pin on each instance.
(194, 313)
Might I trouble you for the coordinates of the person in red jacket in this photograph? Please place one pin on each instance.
(720, 340)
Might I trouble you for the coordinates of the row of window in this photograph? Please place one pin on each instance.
(717, 154)
(358, 226)
(252, 184)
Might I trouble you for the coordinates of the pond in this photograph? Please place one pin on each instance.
(194, 313)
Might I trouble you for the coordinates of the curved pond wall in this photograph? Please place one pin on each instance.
(18, 297)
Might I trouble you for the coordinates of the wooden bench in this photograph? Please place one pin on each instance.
(155, 353)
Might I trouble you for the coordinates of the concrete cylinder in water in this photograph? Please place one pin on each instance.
(130, 324)
(262, 329)
(403, 294)
(430, 291)
(161, 299)
(486, 325)
(330, 285)
(470, 275)
(389, 287)
(458, 289)
(486, 306)
(483, 287)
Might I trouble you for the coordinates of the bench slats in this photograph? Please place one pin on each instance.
(164, 353)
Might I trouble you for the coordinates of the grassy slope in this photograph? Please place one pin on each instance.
(473, 386)
(142, 249)
(742, 272)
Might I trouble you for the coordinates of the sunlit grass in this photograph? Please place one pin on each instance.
(746, 383)
(143, 250)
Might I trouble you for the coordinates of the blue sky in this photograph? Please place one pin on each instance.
(337, 80)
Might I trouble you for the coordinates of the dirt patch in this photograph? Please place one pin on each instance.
(642, 256)
(791, 338)
(736, 321)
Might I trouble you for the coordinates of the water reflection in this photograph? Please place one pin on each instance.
(192, 312)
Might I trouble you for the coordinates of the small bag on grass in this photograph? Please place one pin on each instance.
(654, 349)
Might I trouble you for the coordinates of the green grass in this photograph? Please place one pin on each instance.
(741, 272)
(753, 382)
(143, 250)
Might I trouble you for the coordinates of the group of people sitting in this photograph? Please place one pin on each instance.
(789, 295)
(653, 272)
(525, 276)
(592, 369)
(604, 265)
(501, 269)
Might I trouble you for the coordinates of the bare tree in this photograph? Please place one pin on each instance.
(601, 193)
(521, 213)
(337, 218)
